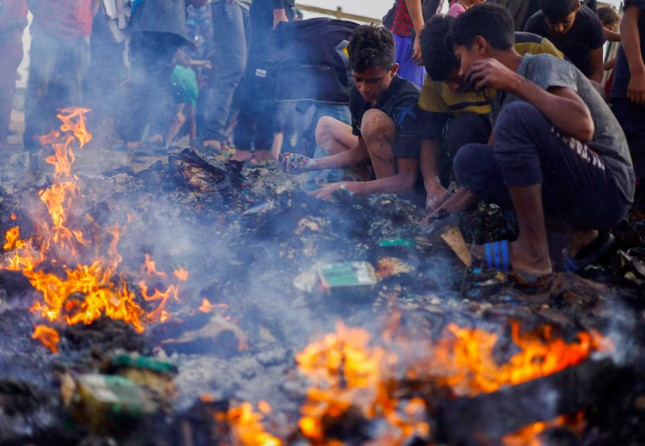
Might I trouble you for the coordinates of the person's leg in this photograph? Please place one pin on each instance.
(408, 69)
(379, 131)
(10, 57)
(632, 120)
(40, 114)
(230, 21)
(334, 136)
(466, 129)
(244, 132)
(550, 174)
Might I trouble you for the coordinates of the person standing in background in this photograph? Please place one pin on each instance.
(231, 36)
(628, 91)
(158, 28)
(406, 27)
(59, 55)
(13, 19)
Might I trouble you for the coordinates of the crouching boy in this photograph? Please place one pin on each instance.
(557, 150)
(382, 144)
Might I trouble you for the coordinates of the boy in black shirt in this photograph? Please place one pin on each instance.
(575, 30)
(383, 135)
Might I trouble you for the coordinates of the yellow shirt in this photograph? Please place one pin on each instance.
(437, 97)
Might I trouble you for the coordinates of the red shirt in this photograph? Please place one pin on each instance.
(64, 18)
(402, 22)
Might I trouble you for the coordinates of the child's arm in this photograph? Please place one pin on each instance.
(632, 47)
(595, 58)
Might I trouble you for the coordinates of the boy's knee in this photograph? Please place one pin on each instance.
(325, 129)
(377, 125)
(466, 164)
(518, 113)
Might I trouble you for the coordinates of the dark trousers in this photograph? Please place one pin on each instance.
(464, 129)
(231, 36)
(150, 101)
(577, 188)
(632, 119)
(56, 74)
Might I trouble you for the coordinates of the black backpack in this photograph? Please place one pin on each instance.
(430, 8)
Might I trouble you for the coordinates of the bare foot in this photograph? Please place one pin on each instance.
(242, 155)
(523, 260)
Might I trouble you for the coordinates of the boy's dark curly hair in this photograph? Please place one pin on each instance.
(558, 9)
(370, 46)
(491, 21)
(436, 47)
(608, 15)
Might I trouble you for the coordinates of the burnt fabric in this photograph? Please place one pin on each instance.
(578, 188)
(400, 103)
(585, 35)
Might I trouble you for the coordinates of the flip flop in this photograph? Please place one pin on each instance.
(589, 254)
(498, 255)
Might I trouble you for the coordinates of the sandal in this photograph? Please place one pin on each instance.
(591, 253)
(498, 255)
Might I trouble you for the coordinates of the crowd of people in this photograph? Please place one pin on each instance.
(512, 102)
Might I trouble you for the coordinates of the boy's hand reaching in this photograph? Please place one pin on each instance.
(297, 163)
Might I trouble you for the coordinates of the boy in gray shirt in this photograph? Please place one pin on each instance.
(557, 151)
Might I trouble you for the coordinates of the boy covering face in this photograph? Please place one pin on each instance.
(557, 150)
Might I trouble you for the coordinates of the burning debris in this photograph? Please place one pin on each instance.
(196, 303)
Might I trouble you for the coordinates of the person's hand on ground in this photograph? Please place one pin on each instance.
(297, 163)
(636, 88)
(435, 196)
(328, 190)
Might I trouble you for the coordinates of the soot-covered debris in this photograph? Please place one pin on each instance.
(248, 238)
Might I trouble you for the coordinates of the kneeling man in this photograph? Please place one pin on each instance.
(557, 151)
(382, 144)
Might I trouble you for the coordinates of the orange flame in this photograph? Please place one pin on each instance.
(528, 435)
(464, 360)
(84, 292)
(346, 371)
(47, 336)
(247, 429)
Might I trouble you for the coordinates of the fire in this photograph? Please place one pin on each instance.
(47, 336)
(350, 375)
(75, 290)
(528, 436)
(246, 426)
(465, 362)
(347, 372)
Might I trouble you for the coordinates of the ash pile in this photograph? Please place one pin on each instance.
(229, 307)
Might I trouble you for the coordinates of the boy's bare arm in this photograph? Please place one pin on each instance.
(597, 69)
(632, 47)
(562, 106)
(416, 16)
